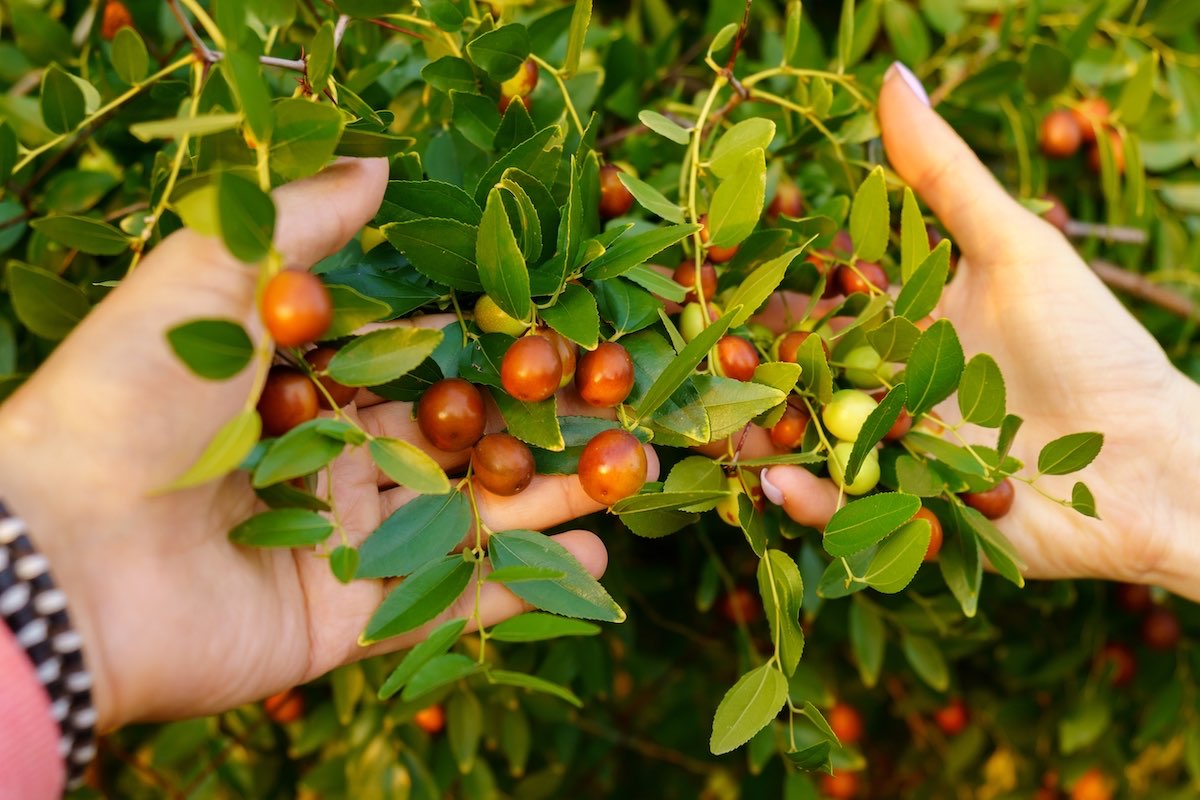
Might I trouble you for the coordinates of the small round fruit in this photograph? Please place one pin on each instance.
(615, 199)
(1092, 785)
(952, 718)
(789, 344)
(860, 279)
(491, 318)
(717, 255)
(531, 369)
(840, 785)
(1160, 630)
(846, 722)
(520, 85)
(1060, 135)
(685, 275)
(862, 366)
(612, 466)
(116, 16)
(1118, 152)
(605, 375)
(1058, 216)
(995, 502)
(296, 308)
(846, 412)
(787, 202)
(288, 399)
(935, 532)
(1090, 114)
(319, 360)
(568, 353)
(451, 414)
(788, 432)
(740, 605)
(868, 474)
(502, 464)
(1135, 598)
(430, 719)
(736, 358)
(1118, 662)
(285, 707)
(692, 322)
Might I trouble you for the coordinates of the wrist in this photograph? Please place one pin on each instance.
(1178, 500)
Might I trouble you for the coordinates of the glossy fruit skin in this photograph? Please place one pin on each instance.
(685, 275)
(116, 16)
(935, 532)
(568, 353)
(868, 274)
(740, 604)
(615, 199)
(296, 308)
(846, 412)
(868, 474)
(1058, 216)
(520, 85)
(604, 377)
(285, 707)
(840, 785)
(1160, 630)
(736, 358)
(612, 466)
(1092, 785)
(1089, 114)
(862, 367)
(1118, 151)
(952, 718)
(1134, 598)
(788, 201)
(995, 502)
(692, 322)
(342, 395)
(451, 414)
(846, 722)
(502, 464)
(717, 255)
(1118, 661)
(491, 318)
(1060, 135)
(431, 719)
(531, 369)
(788, 432)
(289, 398)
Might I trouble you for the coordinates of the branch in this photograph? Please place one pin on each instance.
(210, 56)
(1142, 288)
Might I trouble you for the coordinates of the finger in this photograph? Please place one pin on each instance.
(805, 498)
(318, 215)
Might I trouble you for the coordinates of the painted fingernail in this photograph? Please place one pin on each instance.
(773, 492)
(910, 80)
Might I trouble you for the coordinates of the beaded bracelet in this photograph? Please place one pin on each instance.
(36, 612)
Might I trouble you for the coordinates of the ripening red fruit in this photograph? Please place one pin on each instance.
(935, 532)
(994, 503)
(1058, 216)
(840, 785)
(116, 16)
(788, 432)
(288, 399)
(1091, 114)
(867, 275)
(319, 360)
(846, 722)
(615, 199)
(1060, 135)
(789, 345)
(502, 464)
(605, 375)
(952, 718)
(285, 707)
(1092, 785)
(1118, 152)
(520, 85)
(787, 201)
(430, 719)
(296, 308)
(740, 604)
(717, 255)
(1117, 660)
(531, 369)
(736, 358)
(568, 353)
(612, 466)
(685, 275)
(824, 268)
(1160, 630)
(1134, 597)
(451, 414)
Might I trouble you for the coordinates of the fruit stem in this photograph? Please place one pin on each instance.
(477, 550)
(562, 87)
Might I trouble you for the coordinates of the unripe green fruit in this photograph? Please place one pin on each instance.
(868, 474)
(862, 366)
(692, 322)
(491, 318)
(845, 414)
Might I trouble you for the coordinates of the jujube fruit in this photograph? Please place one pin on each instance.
(612, 466)
(788, 432)
(615, 199)
(953, 717)
(1060, 135)
(605, 376)
(685, 275)
(116, 16)
(717, 255)
(846, 412)
(935, 532)
(736, 358)
(1135, 598)
(861, 367)
(531, 369)
(841, 785)
(868, 474)
(692, 321)
(430, 719)
(451, 414)
(520, 85)
(788, 201)
(1092, 785)
(1160, 630)
(296, 308)
(319, 360)
(788, 345)
(993, 503)
(846, 722)
(288, 399)
(502, 464)
(1118, 152)
(1090, 114)
(860, 279)
(568, 353)
(1118, 661)
(491, 318)
(740, 605)
(285, 707)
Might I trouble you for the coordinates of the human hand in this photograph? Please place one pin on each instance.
(176, 620)
(1073, 359)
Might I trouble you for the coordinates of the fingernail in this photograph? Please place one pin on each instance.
(911, 80)
(773, 492)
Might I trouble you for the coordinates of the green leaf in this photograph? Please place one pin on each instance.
(680, 369)
(8, 151)
(693, 474)
(1083, 724)
(357, 143)
(875, 427)
(960, 561)
(1083, 501)
(577, 594)
(906, 32)
(782, 592)
(519, 574)
(352, 310)
(537, 626)
(85, 234)
(244, 74)
(44, 302)
(246, 217)
(934, 367)
(178, 127)
(815, 375)
(438, 642)
(667, 501)
(522, 680)
(651, 199)
(914, 239)
(869, 217)
(532, 423)
(409, 466)
(539, 156)
(1008, 432)
(899, 558)
(953, 456)
(321, 53)
(575, 316)
(304, 137)
(476, 117)
(927, 661)
(923, 289)
(738, 201)
(663, 126)
(419, 200)
(894, 339)
(580, 17)
(502, 268)
(1138, 91)
(424, 529)
(996, 546)
(1069, 453)
(500, 52)
(62, 100)
(747, 708)
(630, 251)
(440, 671)
(860, 524)
(343, 562)
(129, 56)
(216, 349)
(232, 443)
(419, 598)
(464, 728)
(739, 141)
(981, 393)
(759, 285)
(441, 249)
(383, 355)
(845, 36)
(1047, 69)
(286, 527)
(449, 73)
(868, 641)
(626, 306)
(730, 404)
(301, 451)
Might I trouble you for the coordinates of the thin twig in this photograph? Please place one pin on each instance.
(1143, 289)
(190, 31)
(644, 747)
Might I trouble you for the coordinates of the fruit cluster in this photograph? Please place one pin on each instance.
(1065, 130)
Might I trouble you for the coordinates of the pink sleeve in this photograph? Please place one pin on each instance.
(30, 766)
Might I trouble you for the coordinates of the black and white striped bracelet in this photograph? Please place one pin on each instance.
(36, 612)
